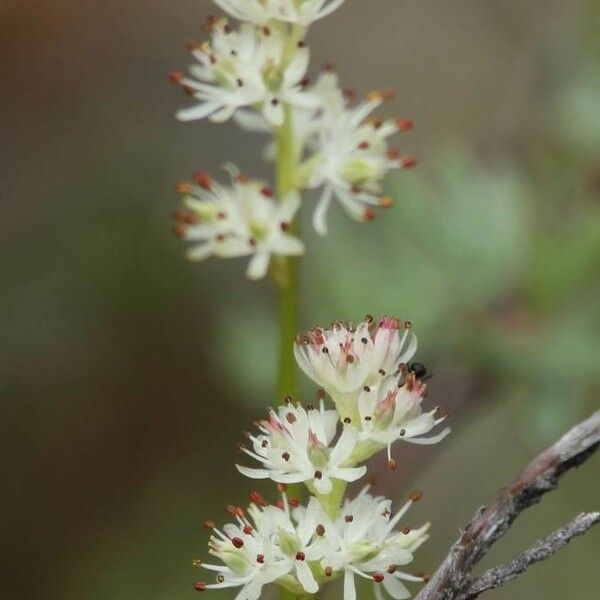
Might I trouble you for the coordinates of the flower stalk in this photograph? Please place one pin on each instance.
(285, 269)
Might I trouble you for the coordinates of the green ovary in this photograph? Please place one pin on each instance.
(358, 171)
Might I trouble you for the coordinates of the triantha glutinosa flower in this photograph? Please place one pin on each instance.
(297, 445)
(302, 547)
(344, 358)
(239, 219)
(256, 73)
(246, 67)
(260, 12)
(351, 158)
(377, 398)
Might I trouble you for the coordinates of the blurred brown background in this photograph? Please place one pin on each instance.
(127, 374)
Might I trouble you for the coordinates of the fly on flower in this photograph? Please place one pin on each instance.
(392, 411)
(343, 359)
(240, 219)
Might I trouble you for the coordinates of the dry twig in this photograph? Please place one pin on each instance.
(490, 524)
(541, 550)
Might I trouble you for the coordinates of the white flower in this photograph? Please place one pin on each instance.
(242, 219)
(249, 67)
(325, 95)
(263, 546)
(352, 159)
(297, 445)
(392, 411)
(365, 540)
(301, 12)
(343, 359)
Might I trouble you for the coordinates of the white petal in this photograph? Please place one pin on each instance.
(254, 473)
(199, 252)
(430, 440)
(345, 446)
(323, 485)
(349, 586)
(258, 266)
(306, 578)
(288, 245)
(320, 214)
(395, 588)
(288, 207)
(198, 112)
(273, 112)
(350, 473)
(251, 121)
(297, 68)
(223, 115)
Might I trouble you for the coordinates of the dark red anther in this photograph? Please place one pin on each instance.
(257, 498)
(203, 179)
(369, 214)
(404, 124)
(175, 77)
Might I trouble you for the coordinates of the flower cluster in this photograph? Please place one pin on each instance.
(377, 395)
(256, 74)
(296, 445)
(260, 12)
(242, 219)
(302, 547)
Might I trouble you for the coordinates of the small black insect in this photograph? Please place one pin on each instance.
(419, 370)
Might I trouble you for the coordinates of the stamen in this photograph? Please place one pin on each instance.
(415, 495)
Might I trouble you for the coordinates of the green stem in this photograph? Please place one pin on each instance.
(285, 269)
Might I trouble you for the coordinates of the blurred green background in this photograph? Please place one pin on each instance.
(128, 374)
